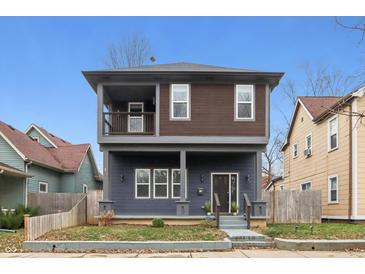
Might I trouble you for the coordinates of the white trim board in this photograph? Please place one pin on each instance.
(41, 133)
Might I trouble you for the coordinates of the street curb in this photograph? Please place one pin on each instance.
(320, 245)
(67, 246)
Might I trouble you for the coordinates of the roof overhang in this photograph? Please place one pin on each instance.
(104, 77)
(13, 172)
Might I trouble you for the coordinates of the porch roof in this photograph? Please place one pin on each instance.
(11, 171)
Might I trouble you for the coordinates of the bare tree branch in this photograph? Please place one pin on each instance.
(272, 156)
(354, 27)
(132, 51)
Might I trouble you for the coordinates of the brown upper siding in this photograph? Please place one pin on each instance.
(212, 113)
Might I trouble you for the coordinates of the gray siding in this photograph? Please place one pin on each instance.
(9, 156)
(123, 193)
(53, 179)
(11, 191)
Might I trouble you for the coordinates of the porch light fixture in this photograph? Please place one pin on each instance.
(122, 178)
(201, 179)
(248, 178)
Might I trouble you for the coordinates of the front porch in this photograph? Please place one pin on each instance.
(141, 185)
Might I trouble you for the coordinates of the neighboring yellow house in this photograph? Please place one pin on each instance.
(325, 150)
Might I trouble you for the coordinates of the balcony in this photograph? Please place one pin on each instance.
(128, 110)
(128, 123)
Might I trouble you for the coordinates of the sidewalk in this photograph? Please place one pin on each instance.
(237, 253)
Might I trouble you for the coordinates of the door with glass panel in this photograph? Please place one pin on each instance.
(226, 186)
(135, 117)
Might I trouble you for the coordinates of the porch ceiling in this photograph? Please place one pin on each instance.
(130, 93)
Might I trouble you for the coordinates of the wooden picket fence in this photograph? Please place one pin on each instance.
(49, 203)
(34, 227)
(293, 206)
(93, 198)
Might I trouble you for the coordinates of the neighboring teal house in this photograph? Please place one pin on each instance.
(38, 161)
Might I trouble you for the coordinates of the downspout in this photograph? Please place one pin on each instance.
(27, 163)
(350, 165)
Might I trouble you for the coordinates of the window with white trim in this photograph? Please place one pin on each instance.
(281, 187)
(143, 183)
(35, 138)
(333, 133)
(333, 189)
(176, 183)
(306, 186)
(295, 150)
(180, 101)
(85, 188)
(244, 102)
(161, 183)
(43, 187)
(308, 145)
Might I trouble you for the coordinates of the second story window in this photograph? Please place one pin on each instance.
(308, 145)
(332, 134)
(295, 150)
(244, 109)
(180, 102)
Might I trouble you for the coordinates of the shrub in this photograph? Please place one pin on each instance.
(207, 206)
(106, 218)
(158, 223)
(15, 219)
(234, 207)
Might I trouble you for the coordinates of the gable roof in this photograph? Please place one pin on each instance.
(51, 138)
(64, 158)
(316, 105)
(319, 107)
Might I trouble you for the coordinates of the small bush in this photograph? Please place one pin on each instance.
(158, 223)
(15, 219)
(207, 206)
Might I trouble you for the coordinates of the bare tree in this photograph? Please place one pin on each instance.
(132, 51)
(358, 27)
(272, 157)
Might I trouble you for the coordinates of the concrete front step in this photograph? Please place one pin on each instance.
(261, 244)
(232, 222)
(233, 226)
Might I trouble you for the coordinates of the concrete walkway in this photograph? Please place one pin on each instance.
(244, 233)
(236, 253)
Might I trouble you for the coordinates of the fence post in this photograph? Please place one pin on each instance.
(26, 226)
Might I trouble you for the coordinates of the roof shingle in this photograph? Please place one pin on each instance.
(317, 105)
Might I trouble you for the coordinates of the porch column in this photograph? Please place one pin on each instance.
(182, 206)
(106, 203)
(258, 189)
(183, 175)
(100, 118)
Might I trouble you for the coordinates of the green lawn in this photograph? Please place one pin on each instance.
(11, 242)
(136, 233)
(320, 231)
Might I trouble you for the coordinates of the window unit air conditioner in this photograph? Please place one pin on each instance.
(308, 152)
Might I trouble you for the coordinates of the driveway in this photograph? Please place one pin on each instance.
(237, 253)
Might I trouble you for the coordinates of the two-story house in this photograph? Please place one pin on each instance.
(174, 134)
(325, 150)
(38, 161)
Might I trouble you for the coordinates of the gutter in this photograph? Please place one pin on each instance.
(350, 165)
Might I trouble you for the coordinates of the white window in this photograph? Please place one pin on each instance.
(306, 186)
(244, 109)
(160, 183)
(180, 102)
(281, 187)
(135, 117)
(143, 183)
(295, 150)
(85, 188)
(333, 189)
(175, 191)
(332, 133)
(308, 145)
(43, 187)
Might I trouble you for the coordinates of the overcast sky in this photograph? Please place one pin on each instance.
(41, 59)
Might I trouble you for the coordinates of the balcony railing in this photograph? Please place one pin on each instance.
(129, 123)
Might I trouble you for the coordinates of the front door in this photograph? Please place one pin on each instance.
(221, 187)
(135, 117)
(226, 186)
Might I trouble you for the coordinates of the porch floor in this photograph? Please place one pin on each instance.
(170, 217)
